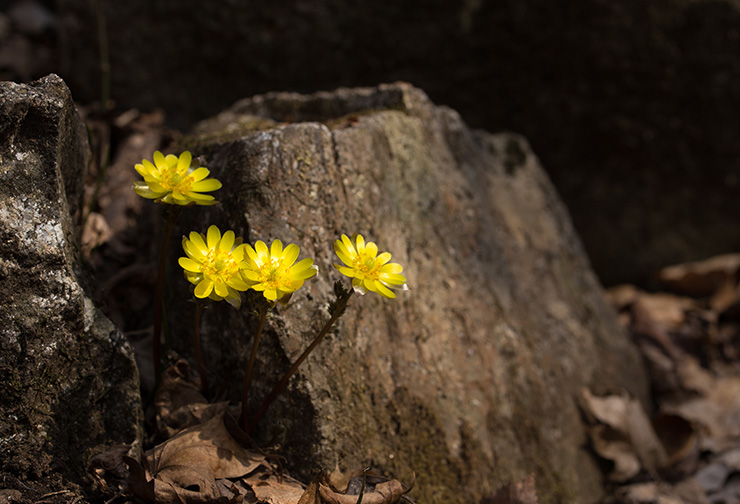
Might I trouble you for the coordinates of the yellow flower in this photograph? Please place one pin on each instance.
(213, 264)
(273, 272)
(368, 270)
(172, 180)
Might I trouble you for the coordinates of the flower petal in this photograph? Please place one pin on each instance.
(276, 249)
(189, 265)
(159, 160)
(371, 250)
(220, 287)
(305, 274)
(183, 162)
(227, 241)
(360, 244)
(213, 237)
(204, 288)
(197, 240)
(391, 268)
(348, 244)
(206, 185)
(384, 291)
(383, 258)
(262, 252)
(345, 270)
(290, 254)
(198, 174)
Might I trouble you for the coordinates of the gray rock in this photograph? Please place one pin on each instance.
(67, 375)
(470, 378)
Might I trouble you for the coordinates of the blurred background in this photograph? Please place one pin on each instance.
(631, 105)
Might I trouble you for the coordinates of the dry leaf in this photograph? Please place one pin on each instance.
(715, 407)
(179, 403)
(185, 468)
(623, 434)
(378, 490)
(701, 278)
(273, 489)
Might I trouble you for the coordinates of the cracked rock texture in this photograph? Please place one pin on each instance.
(68, 381)
(470, 378)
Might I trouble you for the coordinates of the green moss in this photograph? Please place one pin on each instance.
(218, 130)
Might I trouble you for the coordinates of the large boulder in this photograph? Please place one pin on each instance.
(68, 381)
(632, 105)
(470, 378)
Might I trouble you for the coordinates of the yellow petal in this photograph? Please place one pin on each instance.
(276, 249)
(220, 287)
(384, 258)
(262, 252)
(197, 240)
(348, 245)
(189, 265)
(345, 271)
(183, 162)
(253, 258)
(384, 291)
(227, 241)
(371, 250)
(237, 283)
(290, 254)
(159, 160)
(213, 237)
(198, 174)
(306, 273)
(360, 244)
(391, 268)
(203, 289)
(207, 185)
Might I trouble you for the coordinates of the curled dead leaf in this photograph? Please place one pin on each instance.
(621, 432)
(378, 490)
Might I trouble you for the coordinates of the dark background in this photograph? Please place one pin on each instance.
(631, 105)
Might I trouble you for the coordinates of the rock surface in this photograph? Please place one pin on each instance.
(469, 379)
(68, 381)
(631, 105)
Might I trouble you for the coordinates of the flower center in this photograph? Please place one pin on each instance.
(367, 265)
(273, 274)
(175, 180)
(218, 263)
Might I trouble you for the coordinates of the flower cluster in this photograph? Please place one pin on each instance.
(172, 179)
(221, 266)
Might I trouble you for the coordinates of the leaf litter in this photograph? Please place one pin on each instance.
(688, 450)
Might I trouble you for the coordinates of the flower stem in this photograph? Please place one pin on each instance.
(171, 213)
(196, 343)
(337, 312)
(248, 376)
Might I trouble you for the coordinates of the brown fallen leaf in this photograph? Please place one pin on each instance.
(184, 469)
(271, 488)
(179, 403)
(620, 431)
(378, 490)
(701, 278)
(715, 405)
